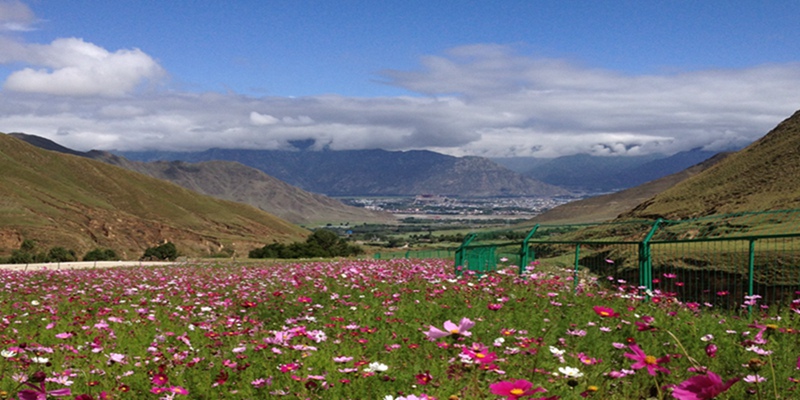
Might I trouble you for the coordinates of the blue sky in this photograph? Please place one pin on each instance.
(499, 78)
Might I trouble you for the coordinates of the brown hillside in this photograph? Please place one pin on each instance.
(763, 176)
(78, 203)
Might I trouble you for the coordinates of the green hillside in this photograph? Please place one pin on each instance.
(78, 203)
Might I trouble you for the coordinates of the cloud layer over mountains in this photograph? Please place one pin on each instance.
(481, 99)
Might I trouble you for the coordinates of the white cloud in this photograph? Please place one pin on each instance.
(262, 119)
(476, 100)
(16, 16)
(73, 67)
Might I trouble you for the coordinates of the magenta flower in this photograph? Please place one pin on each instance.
(702, 387)
(645, 361)
(605, 312)
(39, 392)
(479, 354)
(514, 390)
(159, 379)
(462, 329)
(178, 390)
(711, 350)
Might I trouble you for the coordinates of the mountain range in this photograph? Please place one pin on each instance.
(375, 172)
(586, 173)
(763, 176)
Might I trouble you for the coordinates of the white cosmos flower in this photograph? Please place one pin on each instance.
(570, 372)
(40, 360)
(376, 367)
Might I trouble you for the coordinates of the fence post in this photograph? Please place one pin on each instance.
(462, 250)
(751, 272)
(577, 265)
(646, 260)
(524, 251)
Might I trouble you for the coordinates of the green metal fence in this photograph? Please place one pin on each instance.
(714, 260)
(411, 254)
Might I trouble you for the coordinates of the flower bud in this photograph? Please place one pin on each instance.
(711, 350)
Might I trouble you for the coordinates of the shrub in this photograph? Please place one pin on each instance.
(20, 257)
(322, 243)
(60, 254)
(99, 254)
(166, 251)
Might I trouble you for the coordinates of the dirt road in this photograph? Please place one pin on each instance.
(82, 265)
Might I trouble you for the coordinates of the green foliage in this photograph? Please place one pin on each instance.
(60, 254)
(166, 251)
(99, 254)
(28, 245)
(322, 243)
(27, 254)
(20, 257)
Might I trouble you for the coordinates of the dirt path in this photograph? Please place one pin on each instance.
(81, 265)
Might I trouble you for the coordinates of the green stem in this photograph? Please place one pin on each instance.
(658, 387)
(774, 380)
(692, 360)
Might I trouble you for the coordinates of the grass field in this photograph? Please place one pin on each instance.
(365, 329)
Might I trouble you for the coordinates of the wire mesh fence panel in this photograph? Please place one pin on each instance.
(776, 270)
(416, 254)
(712, 261)
(705, 272)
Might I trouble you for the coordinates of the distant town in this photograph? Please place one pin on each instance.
(432, 206)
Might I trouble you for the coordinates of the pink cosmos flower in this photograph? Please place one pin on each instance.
(479, 354)
(462, 329)
(645, 361)
(159, 379)
(413, 397)
(178, 390)
(711, 350)
(515, 390)
(39, 392)
(702, 387)
(606, 312)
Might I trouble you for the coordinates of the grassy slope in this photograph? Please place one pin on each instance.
(79, 203)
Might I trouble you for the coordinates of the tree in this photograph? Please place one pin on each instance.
(322, 243)
(60, 254)
(20, 257)
(99, 254)
(166, 251)
(28, 245)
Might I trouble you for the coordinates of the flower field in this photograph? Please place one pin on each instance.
(399, 329)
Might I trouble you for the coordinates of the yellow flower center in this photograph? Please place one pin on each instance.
(592, 388)
(605, 313)
(516, 391)
(650, 360)
(772, 327)
(480, 355)
(454, 331)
